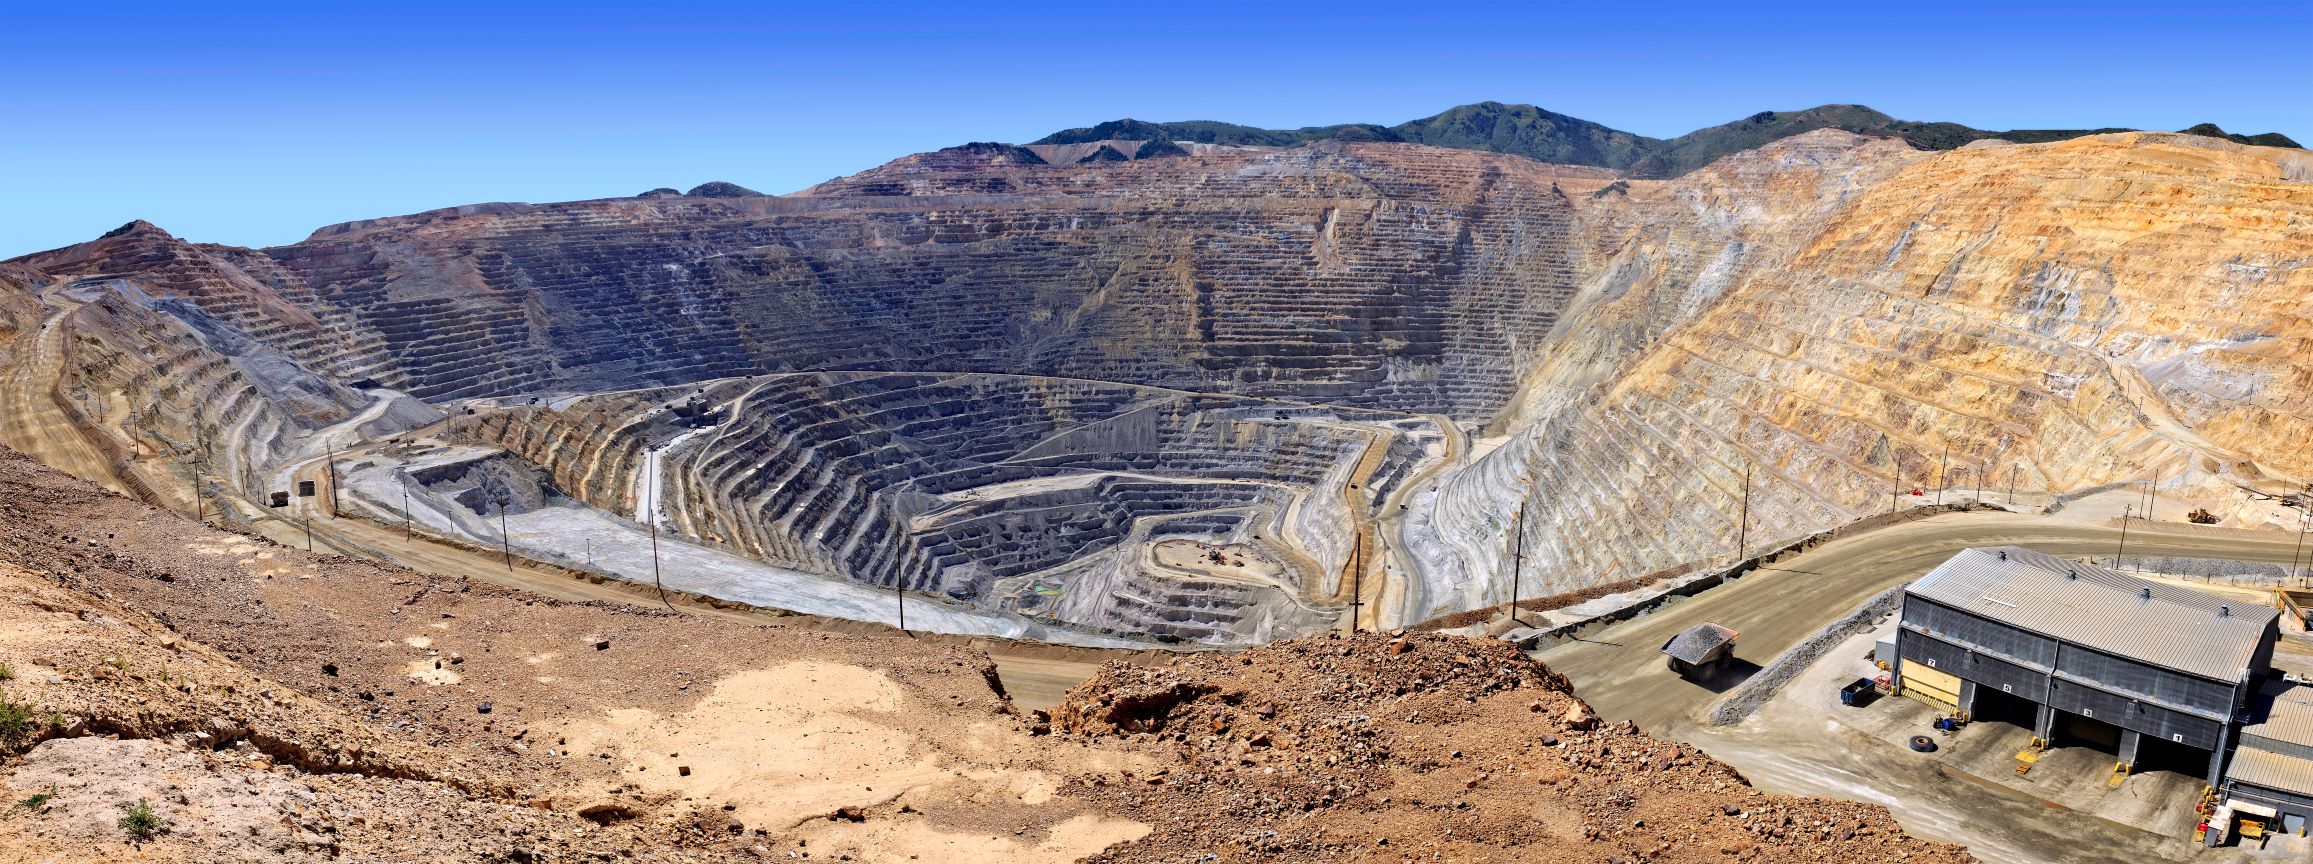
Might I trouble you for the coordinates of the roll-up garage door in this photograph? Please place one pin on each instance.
(1931, 685)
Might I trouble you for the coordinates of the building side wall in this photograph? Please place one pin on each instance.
(2120, 673)
(2075, 679)
(1987, 671)
(2274, 745)
(2284, 801)
(2136, 714)
(1969, 629)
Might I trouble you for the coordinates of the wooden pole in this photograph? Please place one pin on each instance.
(652, 483)
(2123, 547)
(330, 470)
(505, 546)
(200, 511)
(1517, 559)
(2300, 550)
(1357, 579)
(1944, 475)
(406, 530)
(1743, 522)
(2153, 502)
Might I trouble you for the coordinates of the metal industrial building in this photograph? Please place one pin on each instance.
(2098, 650)
(2271, 774)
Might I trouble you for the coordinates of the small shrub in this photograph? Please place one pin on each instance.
(31, 803)
(16, 722)
(7, 674)
(140, 820)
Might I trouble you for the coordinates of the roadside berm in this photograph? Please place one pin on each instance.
(266, 704)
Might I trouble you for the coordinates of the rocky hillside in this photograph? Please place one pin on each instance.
(1833, 314)
(1378, 747)
(175, 693)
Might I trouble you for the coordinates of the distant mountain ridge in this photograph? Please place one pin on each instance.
(1536, 133)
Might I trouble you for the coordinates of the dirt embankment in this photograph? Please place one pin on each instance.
(1380, 748)
(274, 705)
(377, 713)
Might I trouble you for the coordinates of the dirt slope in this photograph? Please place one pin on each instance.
(1377, 748)
(276, 705)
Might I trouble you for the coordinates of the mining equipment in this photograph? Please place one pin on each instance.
(1700, 648)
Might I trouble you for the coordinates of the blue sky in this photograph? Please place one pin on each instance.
(254, 123)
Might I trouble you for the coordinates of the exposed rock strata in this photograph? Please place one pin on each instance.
(1828, 312)
(1825, 315)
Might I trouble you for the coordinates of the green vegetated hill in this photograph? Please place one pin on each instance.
(1548, 136)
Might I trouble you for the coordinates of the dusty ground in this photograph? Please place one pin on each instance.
(272, 704)
(1376, 747)
(431, 718)
(1218, 560)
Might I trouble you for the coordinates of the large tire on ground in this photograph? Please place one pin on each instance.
(1923, 744)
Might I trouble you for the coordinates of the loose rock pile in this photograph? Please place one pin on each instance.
(1389, 747)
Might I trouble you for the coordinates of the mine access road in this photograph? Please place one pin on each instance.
(1619, 671)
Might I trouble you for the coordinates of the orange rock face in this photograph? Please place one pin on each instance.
(1827, 312)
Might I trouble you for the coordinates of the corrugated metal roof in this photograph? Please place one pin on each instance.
(2272, 770)
(2283, 713)
(2177, 628)
(1698, 642)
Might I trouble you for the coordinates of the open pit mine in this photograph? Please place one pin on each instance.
(570, 532)
(1219, 395)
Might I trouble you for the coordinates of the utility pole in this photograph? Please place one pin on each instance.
(2012, 485)
(652, 483)
(1517, 559)
(406, 530)
(2152, 490)
(1895, 495)
(1357, 579)
(505, 546)
(2123, 547)
(1743, 522)
(2300, 550)
(200, 513)
(200, 510)
(331, 470)
(1944, 475)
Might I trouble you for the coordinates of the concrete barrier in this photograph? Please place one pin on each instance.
(1745, 699)
(1779, 552)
